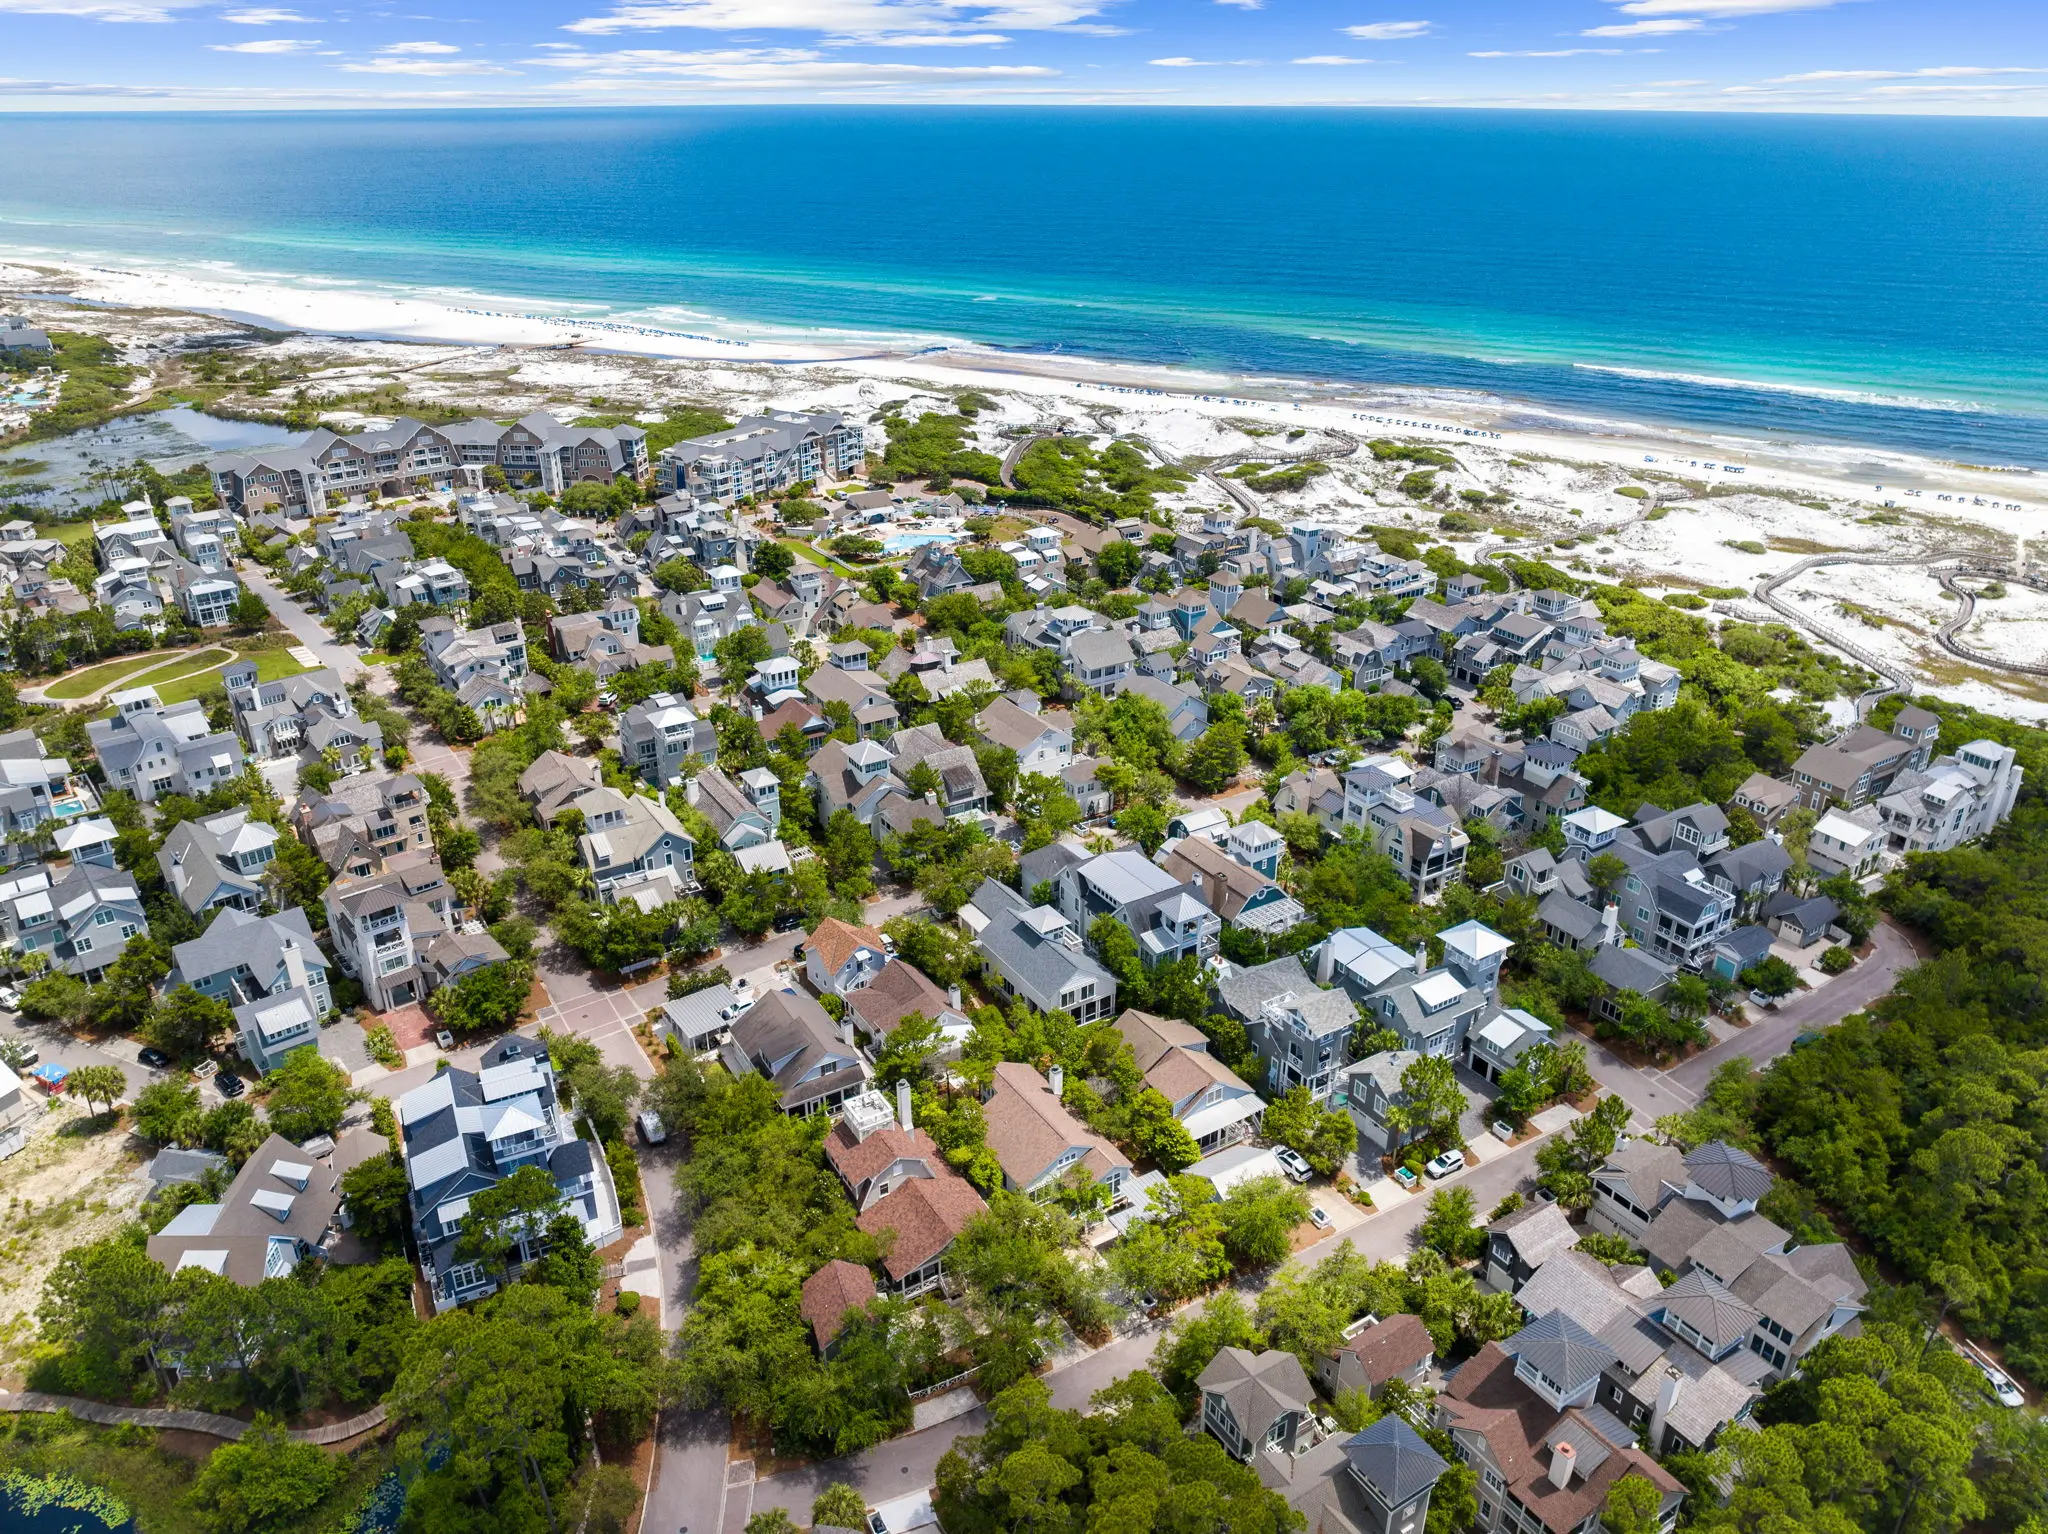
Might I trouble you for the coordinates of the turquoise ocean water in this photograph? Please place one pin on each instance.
(1881, 281)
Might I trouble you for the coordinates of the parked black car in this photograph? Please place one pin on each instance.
(230, 1084)
(152, 1057)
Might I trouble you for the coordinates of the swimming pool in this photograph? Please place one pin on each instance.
(900, 543)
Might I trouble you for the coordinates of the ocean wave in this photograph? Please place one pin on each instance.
(1879, 398)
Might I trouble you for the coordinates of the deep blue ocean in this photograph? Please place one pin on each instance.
(1867, 280)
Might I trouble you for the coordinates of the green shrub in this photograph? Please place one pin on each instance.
(1420, 484)
(1745, 546)
(383, 1047)
(628, 1302)
(1634, 492)
(1685, 601)
(1835, 960)
(625, 1167)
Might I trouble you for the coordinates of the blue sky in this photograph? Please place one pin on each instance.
(1921, 56)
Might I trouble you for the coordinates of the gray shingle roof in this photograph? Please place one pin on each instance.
(1728, 1173)
(1394, 1459)
(1562, 1350)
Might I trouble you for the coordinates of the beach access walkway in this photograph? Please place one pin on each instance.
(210, 1423)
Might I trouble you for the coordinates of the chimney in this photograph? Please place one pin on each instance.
(1057, 1079)
(1326, 960)
(953, 996)
(294, 965)
(846, 1035)
(1609, 919)
(1422, 958)
(903, 1119)
(1562, 1458)
(1667, 1397)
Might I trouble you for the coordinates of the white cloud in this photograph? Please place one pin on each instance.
(268, 45)
(1181, 61)
(1387, 31)
(98, 10)
(1245, 5)
(1946, 71)
(1644, 28)
(263, 18)
(1333, 58)
(418, 50)
(1548, 53)
(388, 65)
(851, 20)
(1722, 8)
(777, 69)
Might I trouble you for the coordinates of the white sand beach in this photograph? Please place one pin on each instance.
(1705, 509)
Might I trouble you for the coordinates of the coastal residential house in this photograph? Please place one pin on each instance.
(633, 841)
(841, 958)
(80, 917)
(1254, 1402)
(660, 737)
(1167, 915)
(284, 1206)
(1301, 1030)
(466, 1132)
(1377, 1351)
(1033, 953)
(897, 991)
(151, 750)
(792, 1043)
(745, 813)
(386, 926)
(1859, 765)
(555, 781)
(1522, 1413)
(836, 1291)
(218, 861)
(1239, 893)
(1038, 1142)
(1212, 1103)
(1043, 740)
(902, 1187)
(1519, 1243)
(1954, 799)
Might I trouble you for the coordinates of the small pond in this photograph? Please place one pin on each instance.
(170, 439)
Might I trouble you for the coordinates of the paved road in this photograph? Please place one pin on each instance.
(307, 629)
(908, 1463)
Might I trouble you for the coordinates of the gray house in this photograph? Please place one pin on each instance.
(1034, 953)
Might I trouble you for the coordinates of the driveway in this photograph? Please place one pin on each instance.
(58, 1047)
(307, 629)
(1653, 1093)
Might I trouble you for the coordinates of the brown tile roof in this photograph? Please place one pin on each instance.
(795, 711)
(858, 1160)
(830, 1293)
(897, 991)
(834, 941)
(1485, 1397)
(1151, 1037)
(1029, 1128)
(926, 1213)
(1391, 1347)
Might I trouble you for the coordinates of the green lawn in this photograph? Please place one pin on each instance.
(71, 534)
(93, 678)
(270, 665)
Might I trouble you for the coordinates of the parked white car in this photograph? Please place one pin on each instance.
(2008, 1394)
(1446, 1165)
(652, 1130)
(1293, 1164)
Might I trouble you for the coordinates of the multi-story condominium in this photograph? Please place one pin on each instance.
(1859, 765)
(660, 737)
(636, 843)
(384, 928)
(1034, 953)
(762, 454)
(538, 450)
(80, 919)
(218, 861)
(466, 1132)
(1953, 800)
(1167, 915)
(151, 750)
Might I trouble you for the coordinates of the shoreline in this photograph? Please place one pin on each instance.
(350, 311)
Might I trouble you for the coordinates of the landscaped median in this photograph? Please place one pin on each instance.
(176, 675)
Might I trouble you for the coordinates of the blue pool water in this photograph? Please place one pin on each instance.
(900, 543)
(1871, 280)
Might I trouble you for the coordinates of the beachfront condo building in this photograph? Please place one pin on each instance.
(407, 455)
(763, 454)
